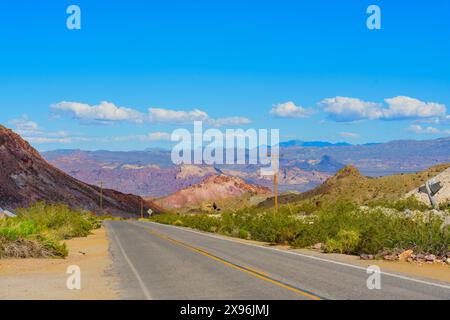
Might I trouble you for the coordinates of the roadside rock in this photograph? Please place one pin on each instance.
(318, 246)
(405, 255)
(381, 254)
(390, 257)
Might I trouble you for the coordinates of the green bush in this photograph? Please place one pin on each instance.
(45, 226)
(341, 225)
(13, 230)
(410, 203)
(445, 206)
(346, 241)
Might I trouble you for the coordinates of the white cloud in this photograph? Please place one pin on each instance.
(231, 121)
(402, 107)
(107, 113)
(344, 109)
(444, 121)
(62, 140)
(169, 116)
(153, 136)
(33, 132)
(158, 136)
(350, 135)
(427, 130)
(25, 126)
(290, 110)
(176, 116)
(103, 113)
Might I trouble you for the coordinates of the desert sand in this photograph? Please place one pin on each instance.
(46, 278)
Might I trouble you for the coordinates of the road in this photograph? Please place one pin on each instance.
(157, 261)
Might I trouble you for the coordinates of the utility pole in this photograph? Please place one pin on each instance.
(275, 180)
(101, 196)
(142, 208)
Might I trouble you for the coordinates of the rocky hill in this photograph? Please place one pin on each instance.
(25, 177)
(212, 188)
(350, 184)
(442, 196)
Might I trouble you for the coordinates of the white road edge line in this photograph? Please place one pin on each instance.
(136, 274)
(308, 256)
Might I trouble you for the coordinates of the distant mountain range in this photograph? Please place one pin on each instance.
(300, 143)
(381, 158)
(151, 173)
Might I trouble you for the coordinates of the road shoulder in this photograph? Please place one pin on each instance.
(46, 278)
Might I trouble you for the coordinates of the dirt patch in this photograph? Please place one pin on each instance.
(46, 278)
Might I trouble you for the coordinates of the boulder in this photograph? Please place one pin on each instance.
(318, 246)
(405, 255)
(390, 257)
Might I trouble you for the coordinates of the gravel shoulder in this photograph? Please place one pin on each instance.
(26, 279)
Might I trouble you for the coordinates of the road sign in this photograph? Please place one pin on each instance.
(434, 188)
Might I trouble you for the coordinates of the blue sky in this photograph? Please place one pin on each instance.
(310, 68)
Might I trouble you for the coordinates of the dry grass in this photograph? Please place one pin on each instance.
(23, 248)
(349, 184)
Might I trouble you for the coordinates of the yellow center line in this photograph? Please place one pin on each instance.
(256, 271)
(250, 271)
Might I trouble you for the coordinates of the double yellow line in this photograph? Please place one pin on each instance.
(250, 271)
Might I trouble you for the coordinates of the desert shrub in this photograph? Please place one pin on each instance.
(38, 230)
(340, 225)
(410, 203)
(346, 241)
(60, 220)
(243, 234)
(445, 206)
(13, 230)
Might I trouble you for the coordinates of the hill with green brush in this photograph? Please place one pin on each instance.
(349, 184)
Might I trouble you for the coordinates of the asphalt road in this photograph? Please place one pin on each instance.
(157, 261)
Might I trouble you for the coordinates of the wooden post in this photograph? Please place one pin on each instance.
(101, 196)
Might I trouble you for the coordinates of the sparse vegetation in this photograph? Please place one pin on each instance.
(38, 230)
(410, 203)
(349, 184)
(445, 206)
(342, 227)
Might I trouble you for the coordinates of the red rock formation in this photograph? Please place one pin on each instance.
(25, 177)
(212, 188)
